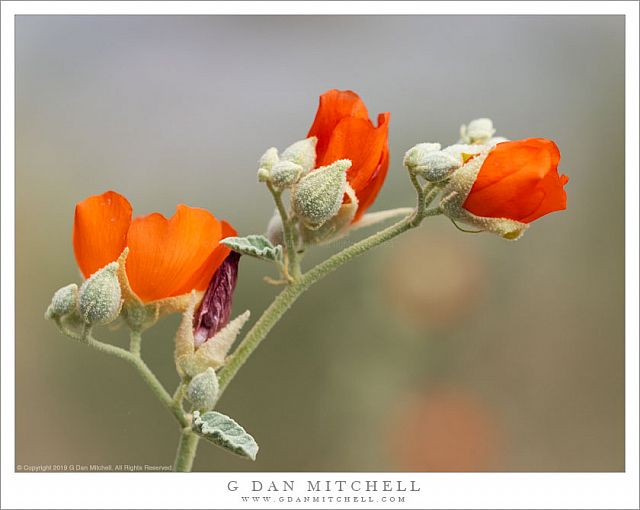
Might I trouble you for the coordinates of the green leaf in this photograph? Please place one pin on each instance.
(255, 246)
(225, 432)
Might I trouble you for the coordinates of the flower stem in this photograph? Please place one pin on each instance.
(135, 342)
(187, 448)
(287, 297)
(293, 262)
(137, 362)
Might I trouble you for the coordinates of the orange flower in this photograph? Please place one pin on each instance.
(344, 131)
(519, 180)
(167, 257)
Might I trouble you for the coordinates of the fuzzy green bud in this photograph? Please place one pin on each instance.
(318, 196)
(100, 296)
(437, 166)
(428, 161)
(263, 175)
(275, 229)
(285, 174)
(269, 158)
(302, 153)
(265, 164)
(203, 390)
(416, 154)
(64, 302)
(478, 131)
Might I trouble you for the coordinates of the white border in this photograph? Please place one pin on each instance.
(504, 490)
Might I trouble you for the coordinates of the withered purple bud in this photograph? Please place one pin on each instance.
(215, 309)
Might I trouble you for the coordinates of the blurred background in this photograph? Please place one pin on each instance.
(439, 351)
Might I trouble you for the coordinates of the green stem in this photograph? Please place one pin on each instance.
(187, 448)
(289, 234)
(136, 361)
(135, 342)
(287, 297)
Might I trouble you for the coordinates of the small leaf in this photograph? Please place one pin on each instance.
(255, 246)
(225, 432)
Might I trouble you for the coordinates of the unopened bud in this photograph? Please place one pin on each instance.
(269, 158)
(478, 131)
(203, 390)
(416, 154)
(302, 153)
(318, 195)
(100, 296)
(275, 229)
(64, 302)
(285, 174)
(431, 163)
(437, 166)
(263, 175)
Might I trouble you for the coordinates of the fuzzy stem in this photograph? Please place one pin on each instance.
(187, 448)
(135, 342)
(293, 263)
(287, 297)
(137, 362)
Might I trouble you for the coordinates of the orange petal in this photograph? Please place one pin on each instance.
(171, 257)
(335, 105)
(519, 180)
(362, 143)
(367, 195)
(100, 230)
(203, 275)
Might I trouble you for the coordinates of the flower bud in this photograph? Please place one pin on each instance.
(100, 296)
(275, 230)
(285, 174)
(64, 302)
(506, 187)
(435, 166)
(416, 154)
(318, 196)
(263, 175)
(302, 153)
(269, 158)
(203, 390)
(478, 131)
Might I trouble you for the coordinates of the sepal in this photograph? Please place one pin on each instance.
(318, 196)
(455, 193)
(212, 353)
(303, 153)
(100, 296)
(63, 302)
(337, 227)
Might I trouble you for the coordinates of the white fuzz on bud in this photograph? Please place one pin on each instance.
(285, 174)
(100, 296)
(64, 302)
(275, 230)
(265, 164)
(269, 158)
(203, 390)
(416, 154)
(302, 153)
(318, 196)
(478, 131)
(428, 161)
